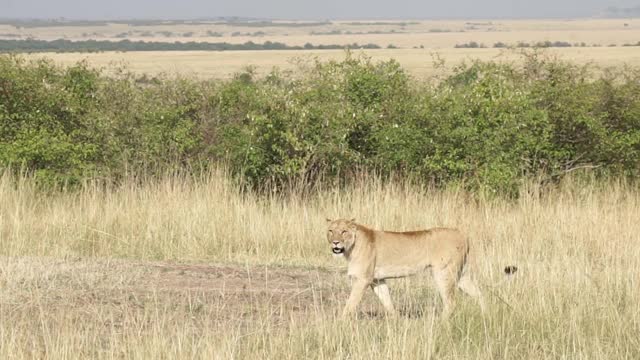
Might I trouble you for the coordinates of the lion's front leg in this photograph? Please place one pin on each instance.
(357, 290)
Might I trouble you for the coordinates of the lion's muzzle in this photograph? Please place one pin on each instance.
(337, 249)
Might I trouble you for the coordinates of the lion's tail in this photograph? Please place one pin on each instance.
(471, 261)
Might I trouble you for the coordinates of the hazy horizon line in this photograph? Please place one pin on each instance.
(249, 18)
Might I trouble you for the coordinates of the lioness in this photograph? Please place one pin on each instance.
(374, 256)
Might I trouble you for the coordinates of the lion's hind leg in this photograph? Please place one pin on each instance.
(469, 287)
(446, 280)
(381, 289)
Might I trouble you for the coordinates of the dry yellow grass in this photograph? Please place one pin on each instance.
(63, 296)
(419, 62)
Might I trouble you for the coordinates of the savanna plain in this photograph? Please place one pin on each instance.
(199, 266)
(413, 43)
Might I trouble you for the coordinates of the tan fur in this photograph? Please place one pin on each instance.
(375, 256)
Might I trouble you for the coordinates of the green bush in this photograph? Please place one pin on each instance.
(488, 126)
(70, 124)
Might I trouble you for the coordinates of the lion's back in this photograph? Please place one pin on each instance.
(414, 250)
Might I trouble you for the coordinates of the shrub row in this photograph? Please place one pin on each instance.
(487, 125)
(62, 45)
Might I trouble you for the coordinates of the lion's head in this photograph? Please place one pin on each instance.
(341, 235)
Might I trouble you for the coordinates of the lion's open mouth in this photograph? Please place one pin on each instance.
(337, 250)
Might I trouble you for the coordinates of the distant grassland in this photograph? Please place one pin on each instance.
(403, 34)
(419, 62)
(417, 42)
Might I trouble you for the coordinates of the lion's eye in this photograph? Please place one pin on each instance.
(330, 232)
(344, 232)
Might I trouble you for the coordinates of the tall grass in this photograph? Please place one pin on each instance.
(575, 296)
(209, 217)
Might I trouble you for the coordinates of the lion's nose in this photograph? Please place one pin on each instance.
(336, 242)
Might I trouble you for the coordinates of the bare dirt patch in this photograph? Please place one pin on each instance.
(109, 308)
(111, 291)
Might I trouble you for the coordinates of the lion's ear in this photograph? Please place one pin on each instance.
(352, 220)
(329, 220)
